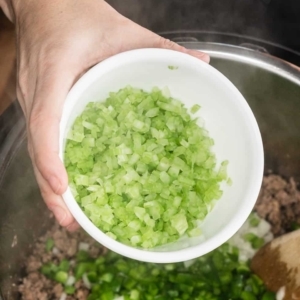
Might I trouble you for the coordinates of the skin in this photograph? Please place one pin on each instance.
(58, 41)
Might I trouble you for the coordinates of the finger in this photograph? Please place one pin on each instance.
(49, 97)
(161, 42)
(55, 203)
(139, 37)
(73, 227)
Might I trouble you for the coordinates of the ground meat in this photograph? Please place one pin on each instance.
(64, 243)
(279, 203)
(58, 290)
(33, 264)
(81, 293)
(35, 286)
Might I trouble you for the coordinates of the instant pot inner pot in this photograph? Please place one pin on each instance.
(273, 95)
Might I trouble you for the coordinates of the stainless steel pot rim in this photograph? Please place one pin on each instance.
(193, 35)
(249, 56)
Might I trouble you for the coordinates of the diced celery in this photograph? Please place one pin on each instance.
(195, 108)
(141, 168)
(179, 222)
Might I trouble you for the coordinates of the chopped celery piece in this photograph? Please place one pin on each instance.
(195, 108)
(141, 168)
(172, 67)
(179, 223)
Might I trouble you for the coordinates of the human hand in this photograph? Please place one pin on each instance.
(58, 41)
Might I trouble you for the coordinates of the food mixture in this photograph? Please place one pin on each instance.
(70, 260)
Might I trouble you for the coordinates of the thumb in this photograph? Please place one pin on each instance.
(43, 131)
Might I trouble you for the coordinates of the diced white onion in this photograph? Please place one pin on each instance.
(63, 296)
(263, 228)
(55, 251)
(243, 257)
(268, 237)
(281, 293)
(255, 231)
(246, 252)
(86, 281)
(72, 262)
(70, 281)
(83, 246)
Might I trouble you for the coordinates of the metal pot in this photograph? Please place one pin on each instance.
(269, 84)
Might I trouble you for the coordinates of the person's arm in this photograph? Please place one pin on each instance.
(57, 41)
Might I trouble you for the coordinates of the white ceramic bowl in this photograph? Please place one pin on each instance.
(227, 117)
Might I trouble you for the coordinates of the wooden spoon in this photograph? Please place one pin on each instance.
(278, 265)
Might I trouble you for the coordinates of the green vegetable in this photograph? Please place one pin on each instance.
(245, 295)
(268, 296)
(255, 241)
(64, 265)
(195, 108)
(61, 277)
(141, 168)
(295, 226)
(253, 220)
(217, 275)
(70, 290)
(49, 245)
(172, 67)
(49, 270)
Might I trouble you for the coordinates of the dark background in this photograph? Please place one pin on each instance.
(277, 21)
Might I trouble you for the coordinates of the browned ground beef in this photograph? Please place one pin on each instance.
(278, 203)
(36, 286)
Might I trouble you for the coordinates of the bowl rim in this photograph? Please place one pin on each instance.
(191, 252)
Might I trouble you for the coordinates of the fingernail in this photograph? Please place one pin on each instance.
(72, 227)
(205, 57)
(59, 213)
(54, 183)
